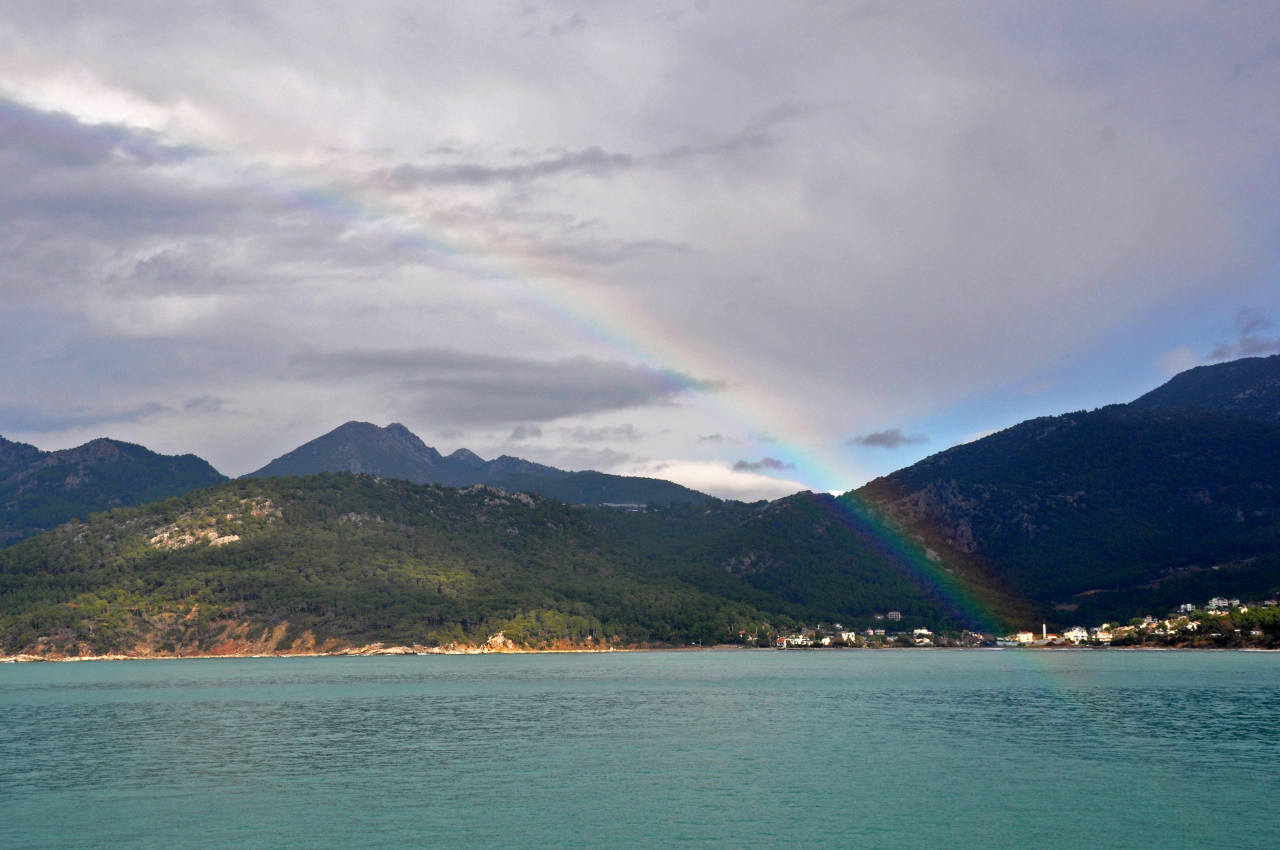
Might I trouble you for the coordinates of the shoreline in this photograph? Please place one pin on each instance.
(379, 651)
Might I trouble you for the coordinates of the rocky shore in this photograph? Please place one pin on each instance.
(496, 643)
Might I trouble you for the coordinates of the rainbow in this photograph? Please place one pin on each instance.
(564, 297)
(606, 316)
(555, 292)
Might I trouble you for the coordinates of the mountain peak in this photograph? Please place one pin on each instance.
(361, 447)
(1249, 387)
(465, 457)
(39, 489)
(396, 452)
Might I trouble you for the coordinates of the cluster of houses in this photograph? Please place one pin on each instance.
(838, 635)
(1182, 622)
(876, 637)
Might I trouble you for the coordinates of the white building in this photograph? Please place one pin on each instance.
(1076, 634)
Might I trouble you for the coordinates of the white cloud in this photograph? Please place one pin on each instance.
(718, 479)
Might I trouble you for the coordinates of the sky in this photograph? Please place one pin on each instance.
(750, 247)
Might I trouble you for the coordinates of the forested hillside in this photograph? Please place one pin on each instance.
(332, 560)
(39, 490)
(1096, 515)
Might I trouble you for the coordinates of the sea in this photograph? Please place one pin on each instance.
(745, 748)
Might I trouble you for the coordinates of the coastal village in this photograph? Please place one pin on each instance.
(1221, 622)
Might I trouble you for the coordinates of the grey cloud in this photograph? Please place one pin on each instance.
(605, 253)
(80, 213)
(205, 404)
(59, 139)
(851, 186)
(592, 161)
(604, 434)
(455, 386)
(1254, 65)
(890, 439)
(570, 24)
(574, 458)
(1251, 338)
(711, 438)
(765, 464)
(750, 140)
(758, 134)
(23, 418)
(521, 433)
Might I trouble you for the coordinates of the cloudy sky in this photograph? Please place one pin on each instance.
(751, 247)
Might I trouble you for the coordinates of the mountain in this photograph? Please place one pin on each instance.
(330, 561)
(1249, 387)
(360, 447)
(396, 452)
(40, 490)
(1172, 498)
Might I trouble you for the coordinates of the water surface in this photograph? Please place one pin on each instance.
(907, 748)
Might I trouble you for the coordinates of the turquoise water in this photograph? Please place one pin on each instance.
(902, 748)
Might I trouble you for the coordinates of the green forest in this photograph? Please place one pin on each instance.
(358, 559)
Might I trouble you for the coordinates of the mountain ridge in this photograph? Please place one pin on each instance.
(396, 452)
(40, 490)
(1168, 499)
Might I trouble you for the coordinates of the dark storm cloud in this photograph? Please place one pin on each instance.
(891, 439)
(764, 464)
(456, 386)
(1252, 338)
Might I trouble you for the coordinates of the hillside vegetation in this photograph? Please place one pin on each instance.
(40, 490)
(1127, 509)
(342, 560)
